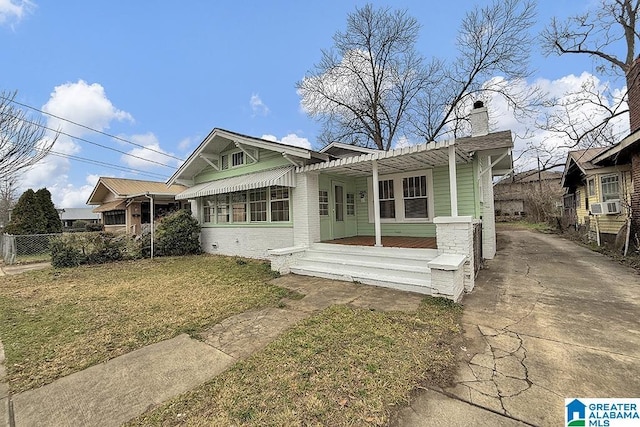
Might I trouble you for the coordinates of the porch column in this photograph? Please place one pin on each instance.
(376, 203)
(453, 184)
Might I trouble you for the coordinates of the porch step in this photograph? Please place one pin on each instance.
(398, 268)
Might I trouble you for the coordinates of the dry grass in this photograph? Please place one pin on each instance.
(55, 322)
(344, 366)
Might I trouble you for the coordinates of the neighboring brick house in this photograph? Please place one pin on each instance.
(528, 194)
(125, 205)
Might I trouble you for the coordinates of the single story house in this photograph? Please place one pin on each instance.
(598, 190)
(403, 218)
(125, 205)
(519, 194)
(69, 216)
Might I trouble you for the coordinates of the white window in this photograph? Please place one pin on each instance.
(351, 204)
(610, 187)
(591, 184)
(279, 204)
(224, 162)
(414, 190)
(239, 206)
(222, 208)
(387, 201)
(209, 213)
(404, 197)
(258, 204)
(323, 207)
(237, 159)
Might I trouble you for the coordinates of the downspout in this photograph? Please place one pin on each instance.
(153, 222)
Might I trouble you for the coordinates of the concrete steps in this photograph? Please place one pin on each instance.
(398, 268)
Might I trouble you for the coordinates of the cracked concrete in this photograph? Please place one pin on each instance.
(548, 319)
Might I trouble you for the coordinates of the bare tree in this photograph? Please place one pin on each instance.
(373, 87)
(607, 33)
(361, 88)
(23, 140)
(7, 199)
(493, 55)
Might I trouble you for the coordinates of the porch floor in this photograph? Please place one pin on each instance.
(388, 241)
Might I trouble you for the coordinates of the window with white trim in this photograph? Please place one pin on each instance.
(351, 204)
(610, 187)
(279, 204)
(323, 206)
(222, 208)
(387, 201)
(237, 159)
(414, 190)
(404, 197)
(239, 206)
(258, 204)
(591, 185)
(268, 204)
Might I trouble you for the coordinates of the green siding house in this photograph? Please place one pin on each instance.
(404, 218)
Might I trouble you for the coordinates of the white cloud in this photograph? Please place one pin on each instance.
(83, 103)
(151, 151)
(290, 139)
(185, 144)
(12, 11)
(562, 90)
(258, 107)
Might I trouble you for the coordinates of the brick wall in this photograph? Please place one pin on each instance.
(306, 217)
(635, 194)
(633, 85)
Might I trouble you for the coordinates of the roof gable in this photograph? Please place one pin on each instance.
(578, 164)
(122, 188)
(220, 140)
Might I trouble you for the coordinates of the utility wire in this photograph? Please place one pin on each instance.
(99, 163)
(90, 128)
(90, 142)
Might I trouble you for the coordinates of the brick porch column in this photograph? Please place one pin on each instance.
(455, 236)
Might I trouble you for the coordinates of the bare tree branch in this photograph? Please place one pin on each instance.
(23, 141)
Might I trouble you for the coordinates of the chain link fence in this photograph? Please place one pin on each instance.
(25, 247)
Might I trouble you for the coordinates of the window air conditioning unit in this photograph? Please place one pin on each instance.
(606, 208)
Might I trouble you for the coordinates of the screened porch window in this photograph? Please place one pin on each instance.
(323, 207)
(117, 217)
(222, 208)
(239, 206)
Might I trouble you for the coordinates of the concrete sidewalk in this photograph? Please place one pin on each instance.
(547, 320)
(120, 389)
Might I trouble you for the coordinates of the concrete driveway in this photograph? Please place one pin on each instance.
(548, 319)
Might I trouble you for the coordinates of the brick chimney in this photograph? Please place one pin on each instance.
(633, 99)
(633, 96)
(479, 118)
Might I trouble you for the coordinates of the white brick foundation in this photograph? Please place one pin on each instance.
(249, 242)
(306, 217)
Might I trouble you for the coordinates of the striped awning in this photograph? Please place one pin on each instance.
(110, 206)
(281, 176)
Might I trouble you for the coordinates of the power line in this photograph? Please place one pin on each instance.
(99, 163)
(90, 142)
(90, 128)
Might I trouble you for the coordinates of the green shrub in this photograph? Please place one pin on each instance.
(93, 227)
(63, 254)
(178, 234)
(74, 249)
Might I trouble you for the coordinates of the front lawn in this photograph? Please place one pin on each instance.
(56, 322)
(344, 366)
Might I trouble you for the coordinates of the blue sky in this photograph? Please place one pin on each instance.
(163, 74)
